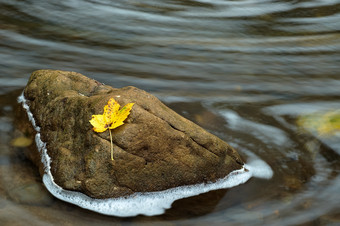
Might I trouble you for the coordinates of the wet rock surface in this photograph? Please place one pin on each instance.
(154, 150)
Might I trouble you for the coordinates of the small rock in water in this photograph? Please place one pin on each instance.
(156, 149)
(21, 142)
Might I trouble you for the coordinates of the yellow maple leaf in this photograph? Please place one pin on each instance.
(111, 118)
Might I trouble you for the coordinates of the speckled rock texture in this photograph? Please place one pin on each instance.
(154, 150)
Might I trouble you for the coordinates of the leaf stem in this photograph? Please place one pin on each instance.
(111, 145)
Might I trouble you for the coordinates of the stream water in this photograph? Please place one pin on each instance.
(246, 71)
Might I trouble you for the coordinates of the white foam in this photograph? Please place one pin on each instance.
(260, 169)
(21, 99)
(149, 203)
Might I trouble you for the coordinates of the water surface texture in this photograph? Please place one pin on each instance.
(243, 70)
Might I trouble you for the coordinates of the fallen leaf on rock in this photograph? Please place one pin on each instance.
(111, 118)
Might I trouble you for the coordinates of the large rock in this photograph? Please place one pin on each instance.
(154, 150)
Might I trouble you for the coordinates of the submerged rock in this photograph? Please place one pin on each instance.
(154, 150)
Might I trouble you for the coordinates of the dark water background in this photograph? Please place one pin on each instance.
(243, 70)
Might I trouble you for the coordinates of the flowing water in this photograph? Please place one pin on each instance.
(244, 70)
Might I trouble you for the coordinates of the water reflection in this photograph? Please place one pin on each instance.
(244, 70)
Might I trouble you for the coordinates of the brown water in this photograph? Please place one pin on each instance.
(243, 70)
